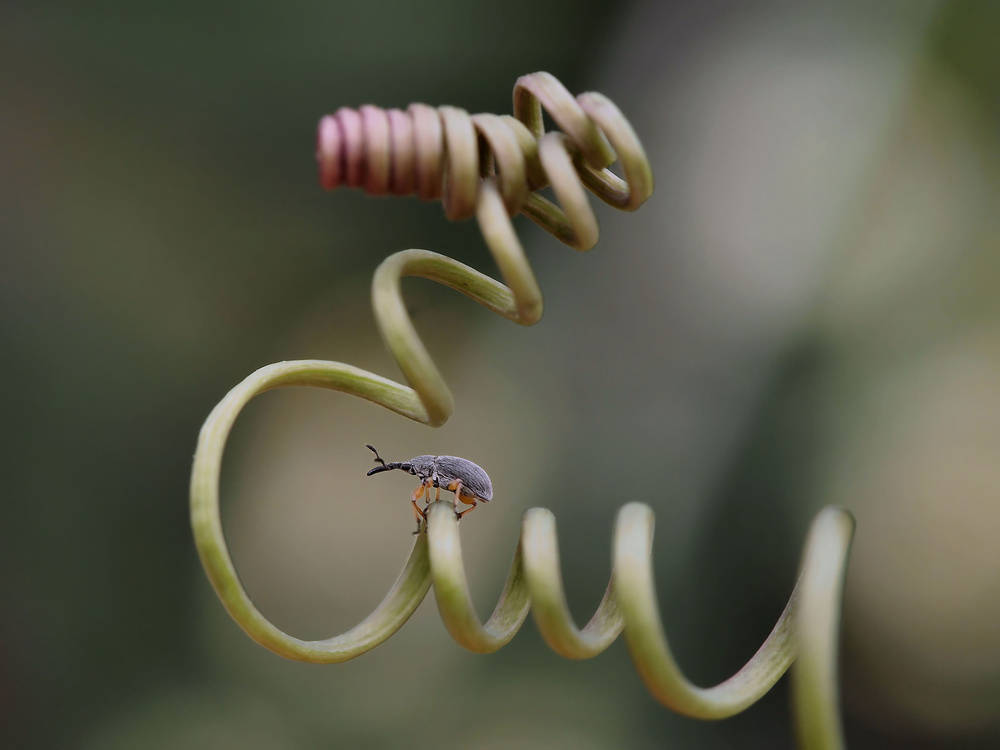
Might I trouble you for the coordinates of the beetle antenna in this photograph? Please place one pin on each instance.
(378, 458)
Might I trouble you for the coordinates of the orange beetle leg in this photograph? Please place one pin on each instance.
(456, 487)
(467, 501)
(419, 514)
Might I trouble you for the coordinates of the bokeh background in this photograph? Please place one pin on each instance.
(806, 312)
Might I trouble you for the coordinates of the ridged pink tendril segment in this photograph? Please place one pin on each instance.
(444, 152)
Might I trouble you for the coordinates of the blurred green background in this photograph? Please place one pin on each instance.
(806, 312)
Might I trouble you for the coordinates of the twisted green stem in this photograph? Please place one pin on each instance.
(409, 152)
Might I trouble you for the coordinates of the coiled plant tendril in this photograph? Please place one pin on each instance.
(492, 167)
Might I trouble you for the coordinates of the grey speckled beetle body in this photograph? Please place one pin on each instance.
(467, 480)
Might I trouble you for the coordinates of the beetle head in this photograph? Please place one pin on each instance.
(422, 466)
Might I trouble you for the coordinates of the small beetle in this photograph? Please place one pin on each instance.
(468, 481)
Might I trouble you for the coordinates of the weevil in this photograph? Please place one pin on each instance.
(467, 480)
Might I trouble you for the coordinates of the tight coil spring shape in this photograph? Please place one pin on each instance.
(492, 167)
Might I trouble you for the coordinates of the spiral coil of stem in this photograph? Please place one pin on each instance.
(492, 167)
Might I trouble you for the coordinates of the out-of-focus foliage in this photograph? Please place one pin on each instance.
(805, 312)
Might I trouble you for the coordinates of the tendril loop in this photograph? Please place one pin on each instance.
(493, 167)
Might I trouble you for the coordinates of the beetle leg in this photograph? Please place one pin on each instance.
(456, 487)
(474, 504)
(425, 486)
(419, 514)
